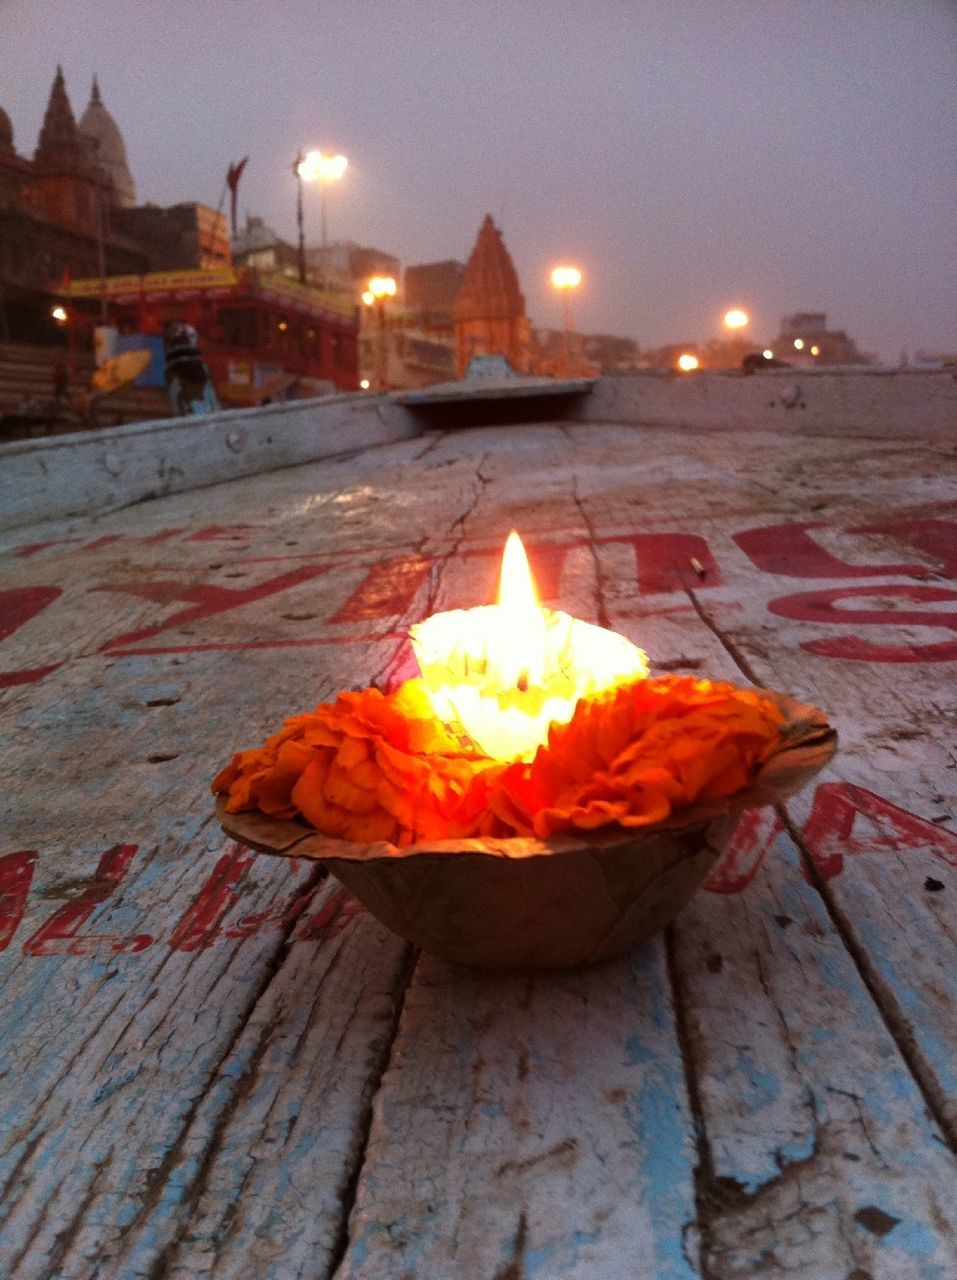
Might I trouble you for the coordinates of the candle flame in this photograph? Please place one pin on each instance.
(504, 672)
(516, 586)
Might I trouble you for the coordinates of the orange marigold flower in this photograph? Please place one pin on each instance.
(373, 767)
(366, 767)
(635, 755)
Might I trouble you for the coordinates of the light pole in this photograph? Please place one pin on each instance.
(736, 321)
(315, 166)
(380, 288)
(566, 280)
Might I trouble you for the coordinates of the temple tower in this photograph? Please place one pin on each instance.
(67, 179)
(489, 313)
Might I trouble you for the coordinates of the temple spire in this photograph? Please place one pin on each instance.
(490, 285)
(59, 139)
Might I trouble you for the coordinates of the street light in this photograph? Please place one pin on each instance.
(380, 288)
(315, 166)
(566, 280)
(687, 362)
(736, 319)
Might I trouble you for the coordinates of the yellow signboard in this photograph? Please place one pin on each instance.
(154, 282)
(162, 285)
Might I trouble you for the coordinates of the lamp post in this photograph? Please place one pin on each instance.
(380, 288)
(566, 280)
(315, 166)
(64, 320)
(736, 321)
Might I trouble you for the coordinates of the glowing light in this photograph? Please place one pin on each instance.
(368, 298)
(815, 351)
(566, 277)
(381, 287)
(316, 166)
(59, 314)
(768, 353)
(364, 384)
(736, 318)
(687, 362)
(282, 326)
(503, 673)
(798, 344)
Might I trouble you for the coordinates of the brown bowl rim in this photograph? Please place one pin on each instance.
(808, 742)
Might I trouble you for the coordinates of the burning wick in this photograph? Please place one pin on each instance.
(503, 673)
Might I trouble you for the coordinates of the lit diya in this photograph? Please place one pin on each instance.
(535, 798)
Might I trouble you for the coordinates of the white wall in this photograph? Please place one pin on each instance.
(100, 470)
(91, 471)
(878, 402)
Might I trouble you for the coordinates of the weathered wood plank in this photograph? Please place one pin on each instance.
(530, 1125)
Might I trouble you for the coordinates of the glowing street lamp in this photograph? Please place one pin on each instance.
(566, 280)
(380, 288)
(315, 166)
(687, 362)
(736, 319)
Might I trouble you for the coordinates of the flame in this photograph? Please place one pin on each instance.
(516, 586)
(504, 672)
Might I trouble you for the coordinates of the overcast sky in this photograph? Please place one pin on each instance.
(687, 154)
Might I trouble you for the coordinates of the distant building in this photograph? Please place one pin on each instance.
(806, 339)
(591, 353)
(430, 290)
(183, 237)
(106, 146)
(257, 245)
(57, 212)
(347, 267)
(70, 213)
(489, 313)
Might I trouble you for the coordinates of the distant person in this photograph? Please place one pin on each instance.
(188, 383)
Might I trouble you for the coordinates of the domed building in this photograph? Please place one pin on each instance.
(59, 214)
(106, 148)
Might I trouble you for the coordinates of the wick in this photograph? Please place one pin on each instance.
(522, 684)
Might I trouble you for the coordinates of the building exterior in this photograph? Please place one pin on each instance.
(347, 267)
(57, 213)
(806, 339)
(587, 353)
(430, 290)
(264, 337)
(183, 237)
(258, 246)
(107, 148)
(489, 313)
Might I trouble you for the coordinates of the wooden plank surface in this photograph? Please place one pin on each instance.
(215, 1064)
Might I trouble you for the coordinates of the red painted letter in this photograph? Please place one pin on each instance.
(818, 606)
(830, 837)
(199, 927)
(16, 873)
(58, 937)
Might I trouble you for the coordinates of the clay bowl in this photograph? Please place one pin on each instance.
(524, 903)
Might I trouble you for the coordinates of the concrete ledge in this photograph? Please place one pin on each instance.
(864, 402)
(92, 471)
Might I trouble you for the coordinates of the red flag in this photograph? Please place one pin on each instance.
(233, 174)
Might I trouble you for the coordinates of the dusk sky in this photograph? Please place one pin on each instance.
(686, 154)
